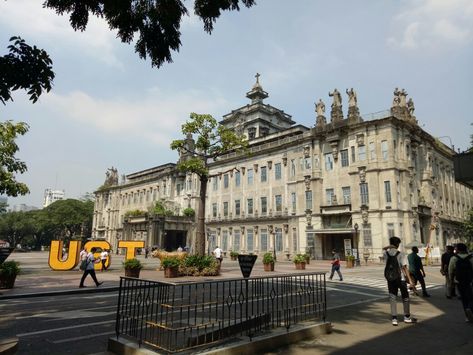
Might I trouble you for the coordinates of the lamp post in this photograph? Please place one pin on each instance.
(357, 260)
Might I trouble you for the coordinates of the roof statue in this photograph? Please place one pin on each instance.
(257, 94)
(111, 177)
(352, 98)
(337, 98)
(396, 99)
(320, 108)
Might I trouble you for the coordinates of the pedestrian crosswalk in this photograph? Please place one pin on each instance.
(371, 282)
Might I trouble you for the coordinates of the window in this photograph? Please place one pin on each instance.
(387, 191)
(384, 150)
(225, 181)
(367, 239)
(352, 154)
(237, 178)
(278, 237)
(293, 167)
(294, 240)
(264, 174)
(178, 189)
(237, 207)
(329, 195)
(225, 209)
(215, 183)
(372, 151)
(263, 239)
(250, 176)
(214, 210)
(278, 201)
(390, 230)
(225, 240)
(364, 193)
(264, 205)
(249, 240)
(252, 133)
(344, 157)
(277, 171)
(308, 200)
(250, 206)
(362, 153)
(155, 192)
(346, 191)
(236, 241)
(293, 201)
(328, 161)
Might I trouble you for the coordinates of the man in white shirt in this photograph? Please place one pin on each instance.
(103, 258)
(218, 255)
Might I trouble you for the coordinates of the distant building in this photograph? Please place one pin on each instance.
(22, 208)
(3, 199)
(51, 196)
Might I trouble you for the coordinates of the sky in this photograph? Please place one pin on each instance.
(110, 108)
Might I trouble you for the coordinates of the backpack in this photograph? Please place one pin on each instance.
(83, 264)
(464, 270)
(392, 271)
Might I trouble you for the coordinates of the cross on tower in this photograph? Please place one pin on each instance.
(257, 77)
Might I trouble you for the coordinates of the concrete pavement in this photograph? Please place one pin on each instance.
(363, 328)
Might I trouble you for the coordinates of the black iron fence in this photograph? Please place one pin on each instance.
(180, 316)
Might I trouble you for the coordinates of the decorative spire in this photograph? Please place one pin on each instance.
(257, 94)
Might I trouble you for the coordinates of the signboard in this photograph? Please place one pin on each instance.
(347, 245)
(246, 264)
(4, 253)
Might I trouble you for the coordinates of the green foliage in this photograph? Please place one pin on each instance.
(27, 68)
(350, 258)
(170, 262)
(10, 268)
(161, 210)
(132, 264)
(15, 226)
(468, 227)
(10, 166)
(188, 212)
(199, 265)
(3, 207)
(233, 254)
(154, 26)
(299, 258)
(306, 256)
(135, 213)
(268, 258)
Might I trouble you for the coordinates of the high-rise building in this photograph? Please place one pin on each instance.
(51, 196)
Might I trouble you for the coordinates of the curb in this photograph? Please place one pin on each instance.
(60, 293)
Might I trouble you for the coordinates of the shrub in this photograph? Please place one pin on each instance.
(268, 258)
(299, 258)
(160, 209)
(188, 212)
(234, 253)
(134, 213)
(170, 262)
(199, 265)
(350, 258)
(132, 264)
(10, 268)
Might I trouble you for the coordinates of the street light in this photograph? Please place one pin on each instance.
(357, 260)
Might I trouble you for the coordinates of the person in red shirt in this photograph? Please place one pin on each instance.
(336, 265)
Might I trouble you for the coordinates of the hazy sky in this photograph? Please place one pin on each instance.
(109, 108)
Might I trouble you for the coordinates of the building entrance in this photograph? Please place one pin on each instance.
(174, 239)
(337, 242)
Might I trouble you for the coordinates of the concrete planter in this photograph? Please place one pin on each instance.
(171, 272)
(269, 267)
(7, 281)
(132, 273)
(300, 266)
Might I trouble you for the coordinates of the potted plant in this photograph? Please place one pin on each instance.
(233, 255)
(299, 261)
(307, 258)
(170, 266)
(350, 261)
(8, 272)
(132, 267)
(268, 261)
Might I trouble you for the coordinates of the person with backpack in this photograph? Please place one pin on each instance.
(397, 275)
(449, 284)
(89, 268)
(460, 270)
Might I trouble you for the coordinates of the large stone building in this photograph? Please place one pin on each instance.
(348, 184)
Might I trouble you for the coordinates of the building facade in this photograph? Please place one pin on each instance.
(51, 196)
(346, 184)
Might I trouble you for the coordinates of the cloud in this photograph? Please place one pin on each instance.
(153, 118)
(31, 21)
(432, 23)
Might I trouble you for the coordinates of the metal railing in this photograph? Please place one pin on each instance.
(180, 316)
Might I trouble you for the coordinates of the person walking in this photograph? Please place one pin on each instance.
(397, 275)
(218, 255)
(417, 270)
(335, 265)
(103, 258)
(89, 269)
(449, 283)
(460, 270)
(82, 256)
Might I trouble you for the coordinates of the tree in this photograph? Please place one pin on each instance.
(10, 165)
(155, 24)
(468, 227)
(212, 142)
(27, 68)
(16, 226)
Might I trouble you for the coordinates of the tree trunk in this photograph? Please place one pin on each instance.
(199, 243)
